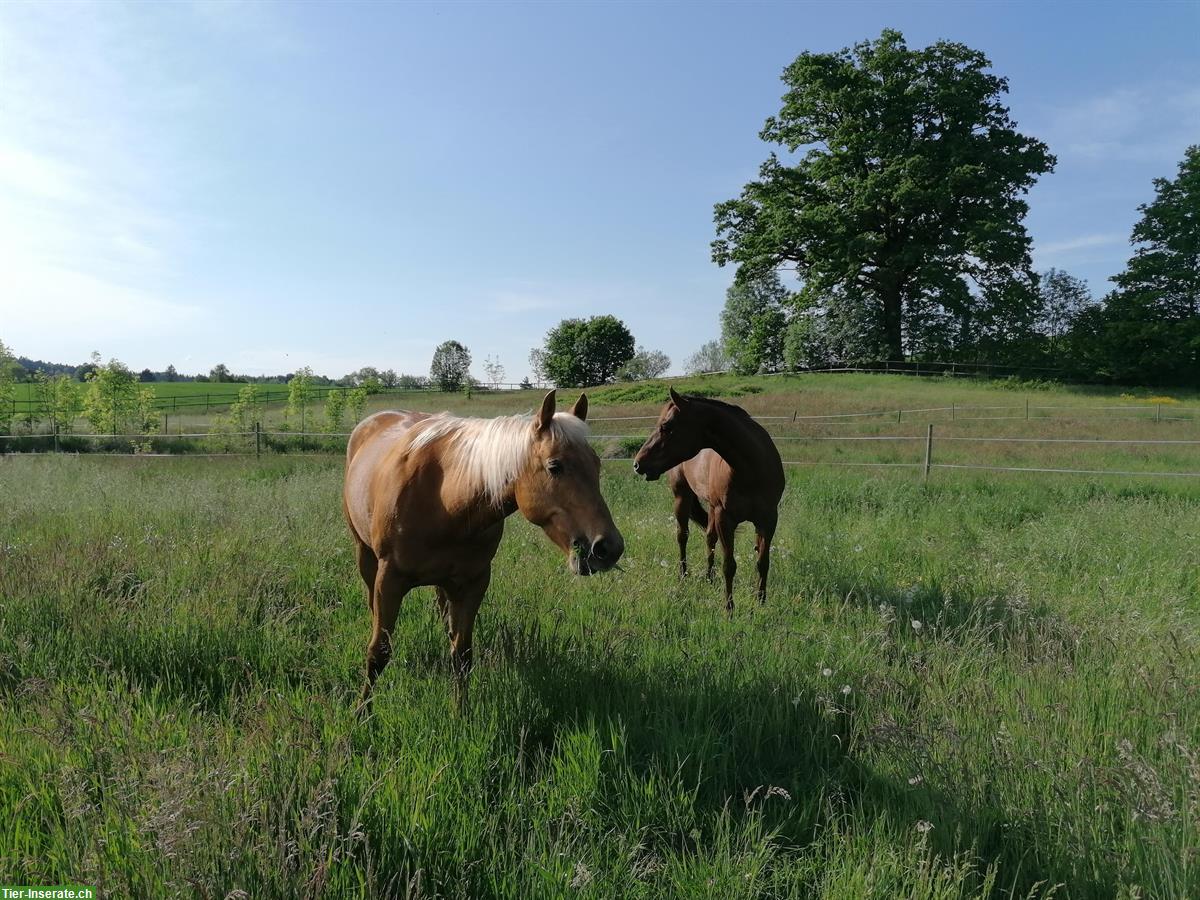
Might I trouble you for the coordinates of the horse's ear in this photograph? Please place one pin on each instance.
(676, 398)
(546, 413)
(579, 410)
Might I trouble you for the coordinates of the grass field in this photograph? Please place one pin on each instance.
(986, 686)
(979, 687)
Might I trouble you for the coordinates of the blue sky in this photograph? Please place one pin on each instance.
(338, 185)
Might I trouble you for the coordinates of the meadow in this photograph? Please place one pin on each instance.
(983, 686)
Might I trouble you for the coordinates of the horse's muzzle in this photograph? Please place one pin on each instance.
(601, 555)
(642, 469)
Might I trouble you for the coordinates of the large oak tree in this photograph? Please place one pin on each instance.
(902, 193)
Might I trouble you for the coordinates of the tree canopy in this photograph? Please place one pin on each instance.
(7, 391)
(753, 323)
(902, 197)
(583, 352)
(1148, 330)
(644, 364)
(451, 365)
(710, 357)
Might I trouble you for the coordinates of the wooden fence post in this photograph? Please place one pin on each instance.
(1157, 412)
(928, 448)
(1026, 407)
(257, 440)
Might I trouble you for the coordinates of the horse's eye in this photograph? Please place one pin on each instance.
(554, 466)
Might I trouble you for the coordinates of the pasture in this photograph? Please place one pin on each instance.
(981, 686)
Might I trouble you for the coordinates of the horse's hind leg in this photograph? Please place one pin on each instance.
(724, 528)
(390, 589)
(762, 544)
(443, 605)
(368, 567)
(711, 524)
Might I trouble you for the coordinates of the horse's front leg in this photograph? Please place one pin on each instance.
(683, 516)
(462, 603)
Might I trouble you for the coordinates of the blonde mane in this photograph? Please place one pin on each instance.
(491, 453)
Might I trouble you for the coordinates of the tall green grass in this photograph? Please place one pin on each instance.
(983, 687)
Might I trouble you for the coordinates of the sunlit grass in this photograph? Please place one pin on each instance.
(980, 687)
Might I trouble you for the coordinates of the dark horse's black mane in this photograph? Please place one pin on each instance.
(718, 403)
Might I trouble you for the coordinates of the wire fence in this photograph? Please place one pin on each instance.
(257, 441)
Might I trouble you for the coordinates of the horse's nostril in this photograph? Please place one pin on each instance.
(600, 549)
(637, 467)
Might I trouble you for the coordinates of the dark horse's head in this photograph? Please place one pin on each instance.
(677, 437)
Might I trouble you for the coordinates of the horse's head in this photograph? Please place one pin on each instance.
(560, 490)
(677, 437)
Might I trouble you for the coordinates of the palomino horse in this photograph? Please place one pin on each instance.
(717, 454)
(426, 497)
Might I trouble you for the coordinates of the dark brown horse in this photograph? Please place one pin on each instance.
(713, 452)
(426, 497)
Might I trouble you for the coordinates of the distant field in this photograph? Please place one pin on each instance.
(814, 392)
(845, 419)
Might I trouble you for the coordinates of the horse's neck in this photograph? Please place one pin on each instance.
(731, 439)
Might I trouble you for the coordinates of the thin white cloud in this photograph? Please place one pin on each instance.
(1086, 242)
(523, 301)
(1148, 122)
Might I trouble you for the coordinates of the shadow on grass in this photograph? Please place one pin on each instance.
(730, 736)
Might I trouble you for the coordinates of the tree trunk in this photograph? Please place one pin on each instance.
(893, 304)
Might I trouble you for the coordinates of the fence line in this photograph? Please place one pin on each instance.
(1065, 471)
(954, 409)
(927, 465)
(609, 437)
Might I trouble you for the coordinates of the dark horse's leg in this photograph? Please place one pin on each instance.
(722, 527)
(443, 603)
(687, 507)
(368, 566)
(710, 539)
(463, 604)
(765, 532)
(390, 589)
